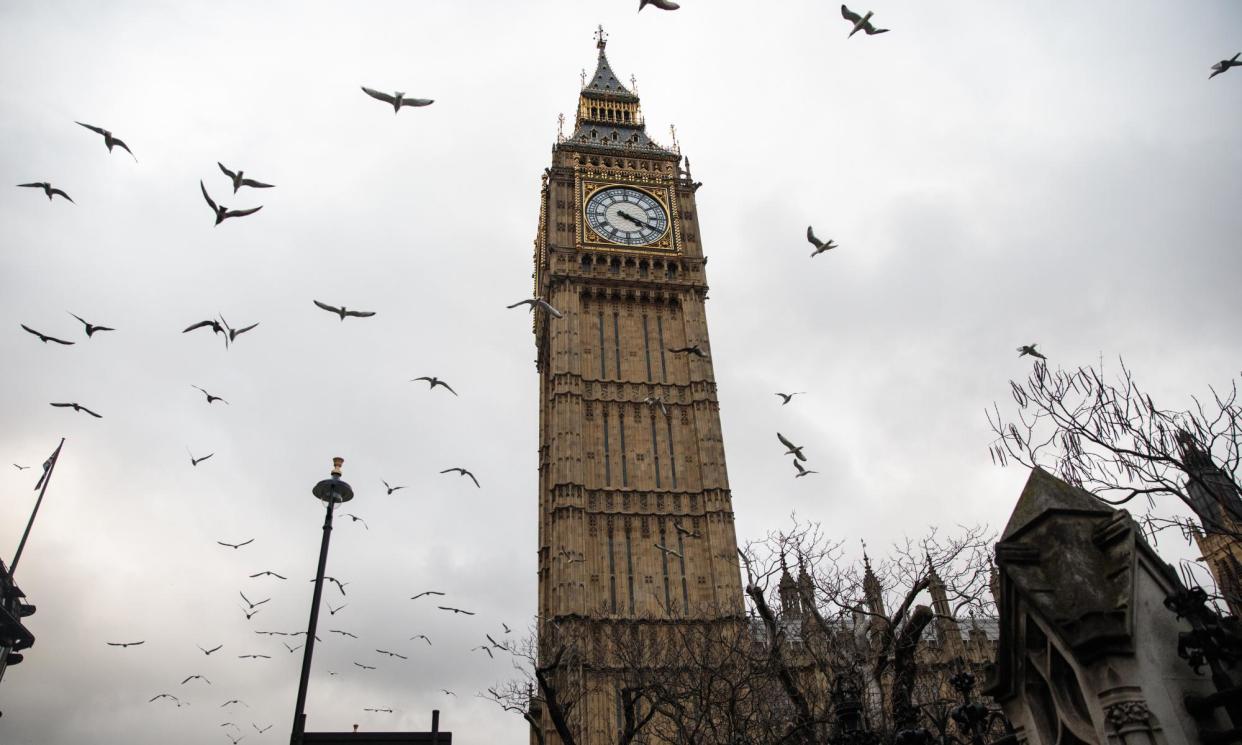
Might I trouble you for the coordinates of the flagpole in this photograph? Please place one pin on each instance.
(47, 477)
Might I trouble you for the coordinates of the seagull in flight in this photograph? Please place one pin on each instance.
(391, 489)
(210, 398)
(1029, 350)
(463, 472)
(195, 461)
(801, 471)
(786, 397)
(656, 401)
(661, 4)
(386, 711)
(433, 381)
(250, 613)
(693, 349)
(267, 573)
(447, 692)
(687, 533)
(356, 519)
(455, 610)
(506, 627)
(260, 731)
(820, 246)
(332, 611)
(90, 327)
(123, 645)
(254, 656)
(209, 651)
(292, 649)
(426, 592)
(239, 179)
(195, 677)
(364, 667)
(392, 654)
(44, 337)
(223, 213)
(861, 23)
(423, 637)
(343, 311)
(232, 333)
(48, 189)
(538, 302)
(397, 99)
(339, 585)
(20, 468)
(215, 326)
(485, 649)
(234, 701)
(343, 633)
(236, 545)
(252, 605)
(77, 407)
(668, 550)
(794, 450)
(109, 139)
(1217, 68)
(159, 696)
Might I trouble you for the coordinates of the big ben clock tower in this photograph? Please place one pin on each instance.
(636, 534)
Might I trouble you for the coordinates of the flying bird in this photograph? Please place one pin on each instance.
(254, 657)
(125, 644)
(209, 651)
(292, 649)
(268, 573)
(801, 471)
(261, 731)
(485, 649)
(1217, 68)
(90, 327)
(794, 450)
(239, 179)
(668, 550)
(462, 471)
(195, 461)
(687, 533)
(364, 667)
(343, 633)
(210, 398)
(693, 349)
(252, 605)
(195, 677)
(110, 140)
(820, 246)
(455, 610)
(538, 302)
(234, 701)
(356, 519)
(386, 711)
(339, 585)
(343, 311)
(423, 637)
(569, 557)
(661, 4)
(392, 654)
(447, 692)
(433, 381)
(506, 627)
(234, 740)
(77, 407)
(493, 642)
(397, 99)
(236, 545)
(1029, 350)
(861, 23)
(20, 468)
(391, 489)
(48, 189)
(786, 397)
(250, 613)
(426, 592)
(233, 333)
(332, 611)
(44, 337)
(159, 696)
(215, 326)
(656, 401)
(222, 212)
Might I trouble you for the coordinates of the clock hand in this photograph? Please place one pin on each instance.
(636, 221)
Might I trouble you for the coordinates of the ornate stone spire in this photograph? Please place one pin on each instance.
(872, 591)
(609, 114)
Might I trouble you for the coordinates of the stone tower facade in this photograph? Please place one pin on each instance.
(636, 526)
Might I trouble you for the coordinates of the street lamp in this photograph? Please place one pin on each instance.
(332, 491)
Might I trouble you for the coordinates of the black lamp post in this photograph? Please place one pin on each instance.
(332, 491)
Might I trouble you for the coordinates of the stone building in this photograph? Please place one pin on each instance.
(1216, 500)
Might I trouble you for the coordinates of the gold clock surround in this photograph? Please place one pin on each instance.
(665, 244)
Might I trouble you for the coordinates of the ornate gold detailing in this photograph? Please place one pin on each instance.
(657, 188)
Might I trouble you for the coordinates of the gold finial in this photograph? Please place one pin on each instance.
(601, 39)
(336, 466)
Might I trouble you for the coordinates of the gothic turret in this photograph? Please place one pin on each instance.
(872, 592)
(609, 114)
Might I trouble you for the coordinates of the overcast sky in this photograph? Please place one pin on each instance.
(996, 174)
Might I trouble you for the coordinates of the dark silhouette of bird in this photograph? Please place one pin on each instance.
(159, 696)
(1217, 69)
(686, 532)
(260, 731)
(44, 337)
(254, 656)
(250, 612)
(343, 311)
(463, 472)
(506, 627)
(233, 333)
(210, 398)
(236, 545)
(195, 677)
(342, 633)
(423, 637)
(1029, 350)
(786, 397)
(447, 692)
(20, 468)
(222, 212)
(391, 489)
(266, 573)
(364, 667)
(273, 633)
(232, 701)
(228, 724)
(292, 649)
(209, 651)
(820, 246)
(332, 611)
(493, 642)
(90, 327)
(397, 99)
(77, 407)
(802, 471)
(668, 550)
(48, 189)
(215, 326)
(661, 4)
(794, 450)
(339, 585)
(109, 139)
(426, 592)
(656, 401)
(195, 461)
(485, 649)
(538, 302)
(234, 740)
(356, 519)
(239, 179)
(433, 381)
(252, 605)
(123, 645)
(455, 610)
(861, 23)
(385, 711)
(392, 654)
(693, 349)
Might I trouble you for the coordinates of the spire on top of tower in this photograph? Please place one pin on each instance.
(609, 114)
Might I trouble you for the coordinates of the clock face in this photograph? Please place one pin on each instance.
(627, 216)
